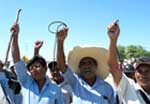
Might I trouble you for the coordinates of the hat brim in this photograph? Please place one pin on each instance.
(99, 54)
(141, 63)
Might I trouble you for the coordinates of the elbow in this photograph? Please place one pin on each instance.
(112, 66)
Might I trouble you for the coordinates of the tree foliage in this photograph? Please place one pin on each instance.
(132, 51)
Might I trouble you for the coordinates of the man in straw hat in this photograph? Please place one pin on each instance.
(89, 65)
(128, 90)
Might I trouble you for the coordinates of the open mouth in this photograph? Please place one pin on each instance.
(86, 71)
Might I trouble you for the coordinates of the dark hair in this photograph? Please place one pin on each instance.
(52, 65)
(128, 68)
(144, 59)
(39, 59)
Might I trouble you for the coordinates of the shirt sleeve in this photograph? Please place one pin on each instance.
(121, 89)
(70, 77)
(21, 71)
(112, 99)
(3, 79)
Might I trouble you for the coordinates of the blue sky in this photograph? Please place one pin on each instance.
(87, 21)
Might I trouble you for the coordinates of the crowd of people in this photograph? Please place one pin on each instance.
(78, 80)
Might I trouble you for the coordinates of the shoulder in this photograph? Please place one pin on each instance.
(51, 86)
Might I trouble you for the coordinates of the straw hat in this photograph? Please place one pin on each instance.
(97, 53)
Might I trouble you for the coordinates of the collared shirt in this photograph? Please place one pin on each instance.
(11, 97)
(100, 93)
(128, 91)
(50, 93)
(67, 91)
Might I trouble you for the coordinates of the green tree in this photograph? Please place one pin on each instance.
(132, 51)
(122, 53)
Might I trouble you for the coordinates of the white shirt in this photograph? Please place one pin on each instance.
(3, 99)
(128, 91)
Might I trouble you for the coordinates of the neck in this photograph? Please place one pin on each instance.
(90, 81)
(59, 81)
(41, 83)
(147, 91)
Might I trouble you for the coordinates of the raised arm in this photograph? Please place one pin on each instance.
(113, 32)
(15, 46)
(37, 46)
(61, 36)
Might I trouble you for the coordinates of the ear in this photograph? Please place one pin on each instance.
(45, 69)
(135, 74)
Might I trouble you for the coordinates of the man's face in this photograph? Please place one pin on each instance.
(37, 71)
(142, 75)
(88, 67)
(56, 76)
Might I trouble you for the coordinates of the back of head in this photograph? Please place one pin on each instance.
(128, 68)
(52, 65)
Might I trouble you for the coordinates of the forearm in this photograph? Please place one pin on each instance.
(113, 61)
(36, 52)
(61, 56)
(21, 71)
(15, 48)
(112, 56)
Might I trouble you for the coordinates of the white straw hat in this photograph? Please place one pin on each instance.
(97, 53)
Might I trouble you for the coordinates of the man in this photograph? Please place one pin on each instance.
(36, 88)
(3, 96)
(60, 81)
(129, 71)
(129, 91)
(10, 86)
(3, 99)
(88, 87)
(55, 75)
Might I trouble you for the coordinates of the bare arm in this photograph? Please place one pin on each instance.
(61, 35)
(15, 46)
(113, 32)
(38, 45)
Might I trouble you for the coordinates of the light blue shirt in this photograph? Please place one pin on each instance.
(50, 93)
(11, 97)
(100, 93)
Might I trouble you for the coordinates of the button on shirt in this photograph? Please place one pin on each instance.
(100, 93)
(50, 93)
(128, 91)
